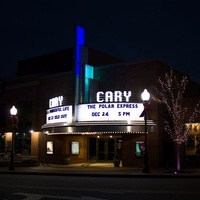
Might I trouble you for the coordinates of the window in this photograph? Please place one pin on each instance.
(75, 148)
(49, 147)
(139, 148)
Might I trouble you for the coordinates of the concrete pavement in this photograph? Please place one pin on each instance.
(100, 170)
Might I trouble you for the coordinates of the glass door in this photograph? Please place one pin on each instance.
(102, 150)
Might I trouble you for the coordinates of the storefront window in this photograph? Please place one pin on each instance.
(49, 147)
(75, 148)
(139, 148)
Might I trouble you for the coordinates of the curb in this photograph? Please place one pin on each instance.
(169, 176)
(99, 170)
(101, 173)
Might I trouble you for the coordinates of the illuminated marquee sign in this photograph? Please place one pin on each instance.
(110, 106)
(119, 108)
(110, 111)
(58, 113)
(56, 101)
(116, 96)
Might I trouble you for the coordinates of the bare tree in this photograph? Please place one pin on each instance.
(170, 92)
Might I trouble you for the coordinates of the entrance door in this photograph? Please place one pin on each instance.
(111, 149)
(101, 149)
(104, 148)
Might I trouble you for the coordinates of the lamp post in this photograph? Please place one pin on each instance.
(14, 123)
(145, 97)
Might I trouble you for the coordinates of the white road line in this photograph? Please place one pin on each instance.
(30, 196)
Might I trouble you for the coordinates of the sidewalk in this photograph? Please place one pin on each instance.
(100, 170)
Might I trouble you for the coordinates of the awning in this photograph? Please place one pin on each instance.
(136, 127)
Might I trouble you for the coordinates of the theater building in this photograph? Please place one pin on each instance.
(85, 105)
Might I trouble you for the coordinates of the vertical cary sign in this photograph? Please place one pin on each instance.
(79, 42)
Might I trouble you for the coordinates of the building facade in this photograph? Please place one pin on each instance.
(90, 111)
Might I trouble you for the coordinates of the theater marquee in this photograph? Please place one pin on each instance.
(110, 112)
(109, 106)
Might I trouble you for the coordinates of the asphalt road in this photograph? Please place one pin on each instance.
(40, 187)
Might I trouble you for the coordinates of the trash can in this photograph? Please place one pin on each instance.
(66, 159)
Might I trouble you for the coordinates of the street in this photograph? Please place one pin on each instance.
(40, 187)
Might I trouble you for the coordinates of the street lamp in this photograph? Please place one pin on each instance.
(14, 123)
(145, 97)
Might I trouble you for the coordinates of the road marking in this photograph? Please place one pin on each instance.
(30, 196)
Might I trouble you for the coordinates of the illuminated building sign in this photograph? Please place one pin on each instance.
(56, 101)
(116, 96)
(58, 113)
(111, 106)
(110, 111)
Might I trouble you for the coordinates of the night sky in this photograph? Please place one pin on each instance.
(168, 30)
